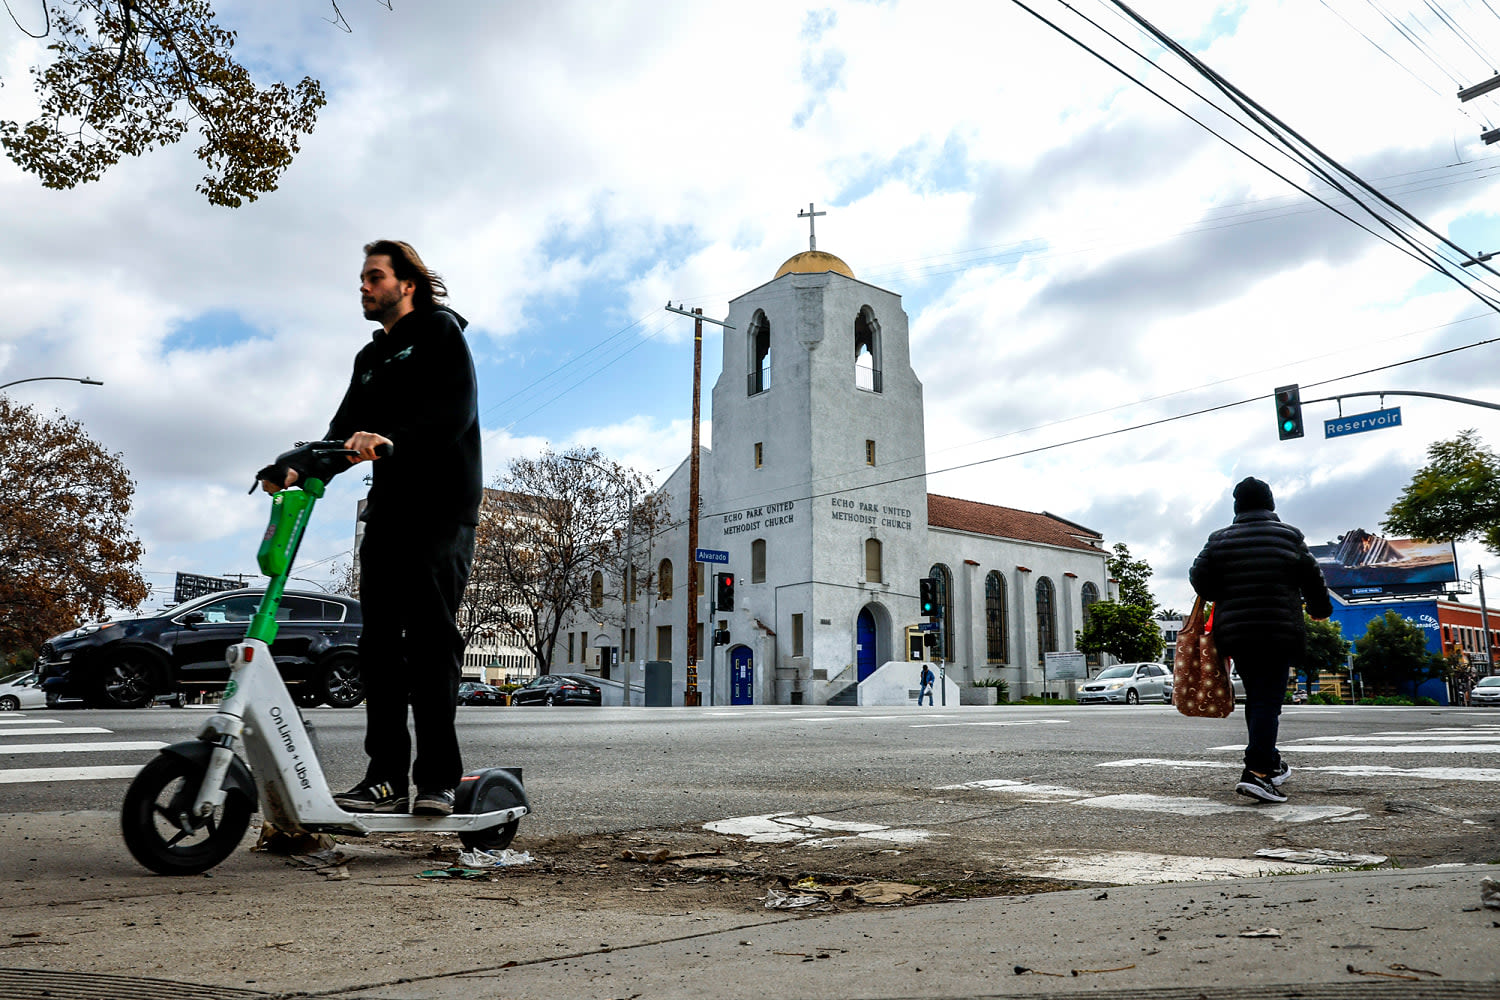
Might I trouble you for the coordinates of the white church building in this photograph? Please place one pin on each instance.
(816, 487)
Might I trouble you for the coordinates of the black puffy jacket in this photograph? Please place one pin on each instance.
(1258, 572)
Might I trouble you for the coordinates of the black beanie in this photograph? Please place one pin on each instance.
(1253, 494)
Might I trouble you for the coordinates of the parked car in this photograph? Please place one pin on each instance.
(475, 693)
(1127, 683)
(22, 690)
(1237, 684)
(1486, 692)
(558, 689)
(130, 663)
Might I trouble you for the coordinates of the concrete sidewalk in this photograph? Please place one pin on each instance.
(82, 920)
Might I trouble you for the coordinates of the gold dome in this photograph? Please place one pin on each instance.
(814, 262)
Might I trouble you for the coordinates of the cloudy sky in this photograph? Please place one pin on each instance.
(1075, 255)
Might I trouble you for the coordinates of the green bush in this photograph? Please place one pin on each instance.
(1385, 699)
(1324, 698)
(1001, 686)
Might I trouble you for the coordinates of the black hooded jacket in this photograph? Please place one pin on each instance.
(415, 385)
(1258, 572)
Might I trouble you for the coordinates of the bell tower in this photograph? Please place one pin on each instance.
(819, 471)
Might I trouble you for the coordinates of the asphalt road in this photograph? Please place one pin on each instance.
(1023, 786)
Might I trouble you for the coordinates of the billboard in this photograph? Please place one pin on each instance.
(1362, 566)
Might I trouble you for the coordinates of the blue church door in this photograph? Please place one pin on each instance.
(865, 637)
(741, 676)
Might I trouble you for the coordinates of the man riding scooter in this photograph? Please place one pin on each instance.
(413, 387)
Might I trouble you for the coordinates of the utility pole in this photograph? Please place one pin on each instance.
(691, 696)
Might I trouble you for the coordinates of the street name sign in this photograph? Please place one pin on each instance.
(712, 556)
(929, 626)
(1358, 423)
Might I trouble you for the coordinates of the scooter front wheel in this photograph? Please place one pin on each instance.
(159, 830)
(496, 838)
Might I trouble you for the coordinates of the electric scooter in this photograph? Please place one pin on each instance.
(190, 806)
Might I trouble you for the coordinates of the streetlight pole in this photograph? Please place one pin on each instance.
(52, 378)
(1484, 620)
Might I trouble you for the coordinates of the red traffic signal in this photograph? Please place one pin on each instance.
(724, 591)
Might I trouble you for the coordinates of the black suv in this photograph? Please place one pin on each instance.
(127, 664)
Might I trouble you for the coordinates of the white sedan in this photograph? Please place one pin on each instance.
(1127, 683)
(21, 690)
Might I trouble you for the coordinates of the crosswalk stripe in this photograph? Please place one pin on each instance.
(22, 775)
(1407, 748)
(58, 731)
(1348, 770)
(16, 719)
(9, 748)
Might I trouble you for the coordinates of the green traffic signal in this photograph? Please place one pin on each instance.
(1289, 412)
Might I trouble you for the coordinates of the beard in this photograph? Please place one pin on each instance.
(377, 306)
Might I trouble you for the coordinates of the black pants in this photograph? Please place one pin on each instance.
(1265, 672)
(411, 578)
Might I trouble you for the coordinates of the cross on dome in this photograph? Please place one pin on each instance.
(812, 232)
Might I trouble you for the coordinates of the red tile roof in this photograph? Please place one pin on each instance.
(1007, 522)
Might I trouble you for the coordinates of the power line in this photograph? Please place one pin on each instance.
(1294, 145)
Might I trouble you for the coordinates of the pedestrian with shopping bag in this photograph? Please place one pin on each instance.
(1259, 575)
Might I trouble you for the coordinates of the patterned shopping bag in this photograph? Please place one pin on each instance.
(1200, 678)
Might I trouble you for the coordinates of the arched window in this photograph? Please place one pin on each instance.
(873, 571)
(664, 580)
(995, 619)
(1046, 619)
(1088, 596)
(758, 338)
(867, 351)
(596, 590)
(758, 561)
(944, 578)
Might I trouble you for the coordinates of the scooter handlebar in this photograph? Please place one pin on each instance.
(314, 459)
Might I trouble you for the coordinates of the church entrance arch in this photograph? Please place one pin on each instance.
(741, 676)
(872, 642)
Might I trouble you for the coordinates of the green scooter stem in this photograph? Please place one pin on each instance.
(290, 511)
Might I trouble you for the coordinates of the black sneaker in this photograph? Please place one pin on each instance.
(1258, 786)
(372, 797)
(1283, 771)
(438, 802)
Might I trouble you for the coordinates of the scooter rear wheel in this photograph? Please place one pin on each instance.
(157, 830)
(496, 838)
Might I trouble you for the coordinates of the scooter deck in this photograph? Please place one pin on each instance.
(360, 824)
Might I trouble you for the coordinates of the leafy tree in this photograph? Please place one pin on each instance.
(1455, 496)
(1393, 653)
(1133, 577)
(546, 528)
(128, 76)
(1127, 632)
(66, 550)
(1327, 649)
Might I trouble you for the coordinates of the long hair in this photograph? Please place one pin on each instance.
(407, 265)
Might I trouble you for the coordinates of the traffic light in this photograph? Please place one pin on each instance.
(930, 640)
(927, 590)
(1288, 412)
(724, 591)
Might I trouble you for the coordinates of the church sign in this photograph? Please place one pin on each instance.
(771, 515)
(864, 512)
